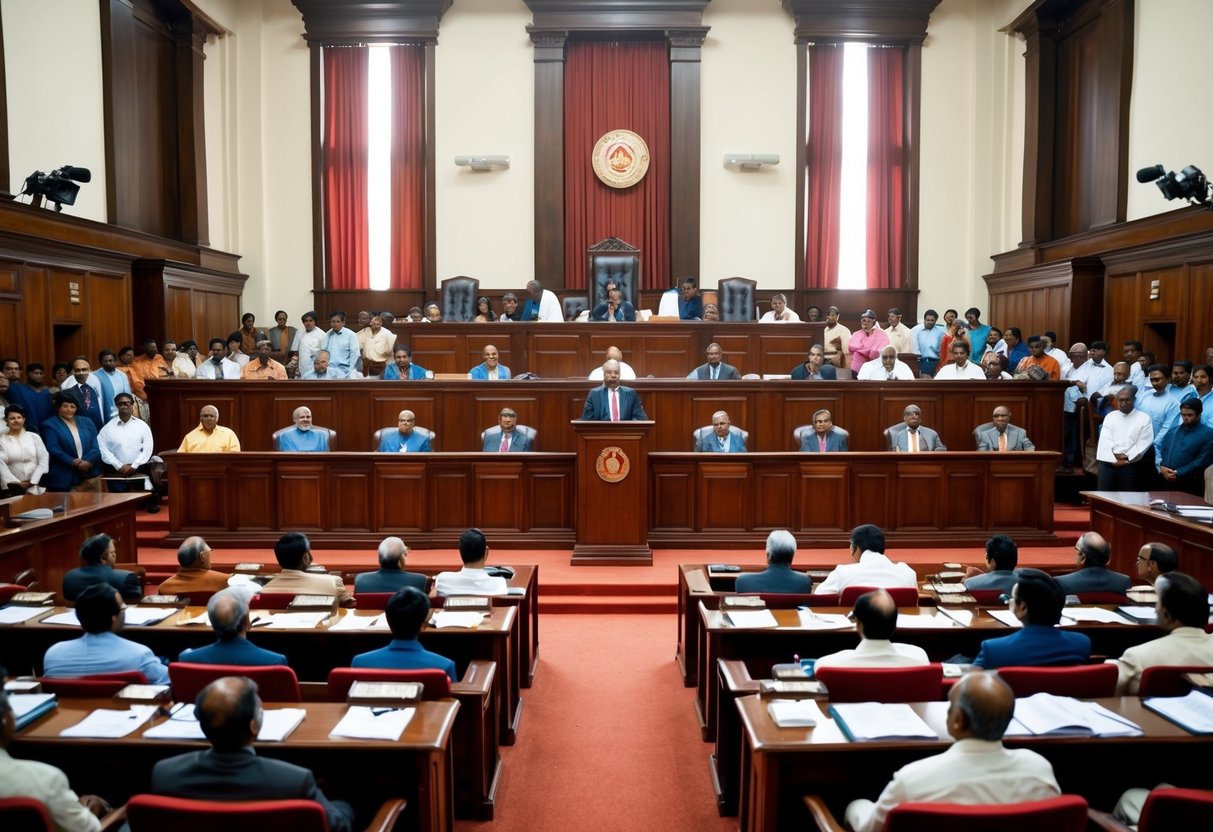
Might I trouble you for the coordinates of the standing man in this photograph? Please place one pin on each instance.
(715, 368)
(1004, 436)
(263, 367)
(814, 367)
(927, 342)
(961, 367)
(404, 439)
(1159, 404)
(210, 437)
(505, 438)
(723, 438)
(88, 400)
(825, 438)
(342, 345)
(867, 343)
(218, 366)
(1186, 451)
(302, 439)
(898, 333)
(912, 437)
(1126, 446)
(149, 365)
(612, 402)
(107, 382)
(376, 344)
(308, 341)
(1181, 380)
(37, 403)
(126, 450)
(837, 338)
(542, 304)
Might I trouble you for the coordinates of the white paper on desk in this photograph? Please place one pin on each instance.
(361, 723)
(822, 620)
(350, 621)
(1193, 712)
(136, 616)
(1006, 617)
(945, 588)
(280, 723)
(515, 590)
(750, 619)
(962, 617)
(1046, 713)
(1094, 614)
(189, 621)
(110, 725)
(923, 622)
(295, 620)
(795, 713)
(23, 703)
(443, 619)
(276, 725)
(67, 618)
(17, 615)
(878, 720)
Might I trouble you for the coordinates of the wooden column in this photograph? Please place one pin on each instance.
(686, 48)
(549, 156)
(612, 494)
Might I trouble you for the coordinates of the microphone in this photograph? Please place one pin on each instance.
(1151, 173)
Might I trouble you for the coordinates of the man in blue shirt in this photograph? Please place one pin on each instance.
(690, 304)
(228, 612)
(99, 609)
(1159, 404)
(1187, 451)
(302, 438)
(927, 342)
(406, 612)
(405, 439)
(342, 345)
(1181, 380)
(1037, 601)
(402, 367)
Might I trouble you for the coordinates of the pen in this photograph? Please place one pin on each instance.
(382, 711)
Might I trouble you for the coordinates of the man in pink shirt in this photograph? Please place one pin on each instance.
(867, 342)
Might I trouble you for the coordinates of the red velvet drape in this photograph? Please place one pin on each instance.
(346, 241)
(824, 155)
(886, 168)
(408, 166)
(617, 86)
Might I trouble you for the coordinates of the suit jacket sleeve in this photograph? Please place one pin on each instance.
(1026, 444)
(733, 374)
(828, 371)
(636, 409)
(589, 411)
(983, 441)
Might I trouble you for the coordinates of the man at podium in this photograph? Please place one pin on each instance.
(612, 402)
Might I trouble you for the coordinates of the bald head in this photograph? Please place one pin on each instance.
(228, 613)
(982, 705)
(876, 615)
(1094, 550)
(614, 354)
(229, 712)
(193, 553)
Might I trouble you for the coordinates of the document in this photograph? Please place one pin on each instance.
(349, 621)
(443, 619)
(182, 724)
(951, 576)
(1139, 614)
(1193, 712)
(18, 615)
(110, 725)
(962, 617)
(188, 621)
(1046, 713)
(364, 723)
(822, 620)
(945, 588)
(29, 706)
(67, 619)
(750, 619)
(924, 621)
(795, 713)
(293, 620)
(142, 616)
(1095, 614)
(1006, 617)
(865, 721)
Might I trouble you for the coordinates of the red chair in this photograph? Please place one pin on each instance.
(903, 596)
(271, 601)
(372, 600)
(1102, 598)
(1067, 813)
(1168, 680)
(275, 683)
(437, 685)
(885, 684)
(1084, 681)
(156, 813)
(988, 597)
(97, 685)
(1166, 809)
(197, 598)
(7, 591)
(24, 814)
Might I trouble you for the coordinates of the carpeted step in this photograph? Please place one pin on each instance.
(550, 603)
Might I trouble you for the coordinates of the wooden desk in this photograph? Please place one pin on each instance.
(1127, 521)
(779, 765)
(52, 547)
(312, 653)
(417, 767)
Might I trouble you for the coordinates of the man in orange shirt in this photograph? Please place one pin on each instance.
(149, 365)
(1036, 357)
(262, 367)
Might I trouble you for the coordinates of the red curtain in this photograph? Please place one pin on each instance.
(824, 155)
(886, 168)
(346, 241)
(614, 86)
(408, 166)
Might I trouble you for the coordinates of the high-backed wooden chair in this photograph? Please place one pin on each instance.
(617, 260)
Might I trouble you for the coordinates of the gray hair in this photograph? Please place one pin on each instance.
(391, 551)
(227, 610)
(781, 546)
(190, 550)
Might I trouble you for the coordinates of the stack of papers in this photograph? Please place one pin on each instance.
(292, 620)
(110, 725)
(750, 619)
(794, 713)
(362, 723)
(962, 617)
(17, 615)
(944, 588)
(822, 620)
(68, 619)
(925, 621)
(1193, 713)
(182, 724)
(443, 619)
(1095, 614)
(142, 616)
(349, 621)
(202, 619)
(29, 706)
(865, 721)
(1065, 716)
(1006, 617)
(1142, 615)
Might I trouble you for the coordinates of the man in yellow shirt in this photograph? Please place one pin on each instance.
(209, 437)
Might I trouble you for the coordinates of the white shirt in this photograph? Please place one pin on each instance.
(47, 784)
(469, 582)
(307, 344)
(769, 318)
(876, 652)
(873, 569)
(1190, 646)
(625, 372)
(549, 307)
(1062, 359)
(183, 366)
(951, 372)
(1130, 435)
(837, 331)
(22, 458)
(229, 369)
(1093, 377)
(125, 443)
(874, 371)
(901, 337)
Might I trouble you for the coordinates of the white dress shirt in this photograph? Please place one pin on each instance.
(307, 344)
(769, 318)
(22, 458)
(626, 373)
(229, 369)
(874, 371)
(125, 443)
(549, 307)
(1190, 646)
(873, 569)
(1131, 435)
(952, 372)
(876, 652)
(469, 582)
(183, 366)
(48, 785)
(900, 336)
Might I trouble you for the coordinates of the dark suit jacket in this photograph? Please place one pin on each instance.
(62, 450)
(388, 580)
(492, 441)
(77, 580)
(598, 406)
(777, 577)
(1035, 645)
(727, 372)
(1093, 579)
(233, 651)
(242, 775)
(835, 441)
(827, 372)
(707, 442)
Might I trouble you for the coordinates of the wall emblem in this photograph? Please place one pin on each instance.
(620, 159)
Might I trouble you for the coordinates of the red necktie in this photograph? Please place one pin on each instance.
(505, 442)
(88, 396)
(614, 405)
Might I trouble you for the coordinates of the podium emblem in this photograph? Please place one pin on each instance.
(612, 464)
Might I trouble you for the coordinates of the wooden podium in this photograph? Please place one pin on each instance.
(612, 494)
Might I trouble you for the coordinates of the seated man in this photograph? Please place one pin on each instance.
(491, 369)
(1004, 436)
(404, 439)
(871, 567)
(625, 370)
(614, 308)
(322, 367)
(976, 769)
(1092, 553)
(1186, 451)
(99, 608)
(99, 555)
(195, 573)
(875, 620)
(471, 579)
(1039, 357)
(715, 368)
(911, 436)
(814, 367)
(505, 438)
(294, 554)
(824, 437)
(778, 576)
(210, 437)
(1155, 560)
(885, 368)
(724, 438)
(509, 304)
(1002, 556)
(1037, 601)
(402, 367)
(302, 438)
(960, 367)
(46, 784)
(1182, 609)
(406, 613)
(228, 612)
(390, 575)
(262, 367)
(218, 366)
(229, 712)
(779, 314)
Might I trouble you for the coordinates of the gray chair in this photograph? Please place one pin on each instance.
(736, 298)
(459, 298)
(426, 432)
(526, 430)
(613, 259)
(977, 431)
(573, 307)
(706, 430)
(798, 433)
(280, 431)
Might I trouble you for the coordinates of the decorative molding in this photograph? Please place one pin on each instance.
(616, 17)
(893, 22)
(549, 45)
(361, 22)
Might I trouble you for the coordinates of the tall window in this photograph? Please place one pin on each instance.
(853, 201)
